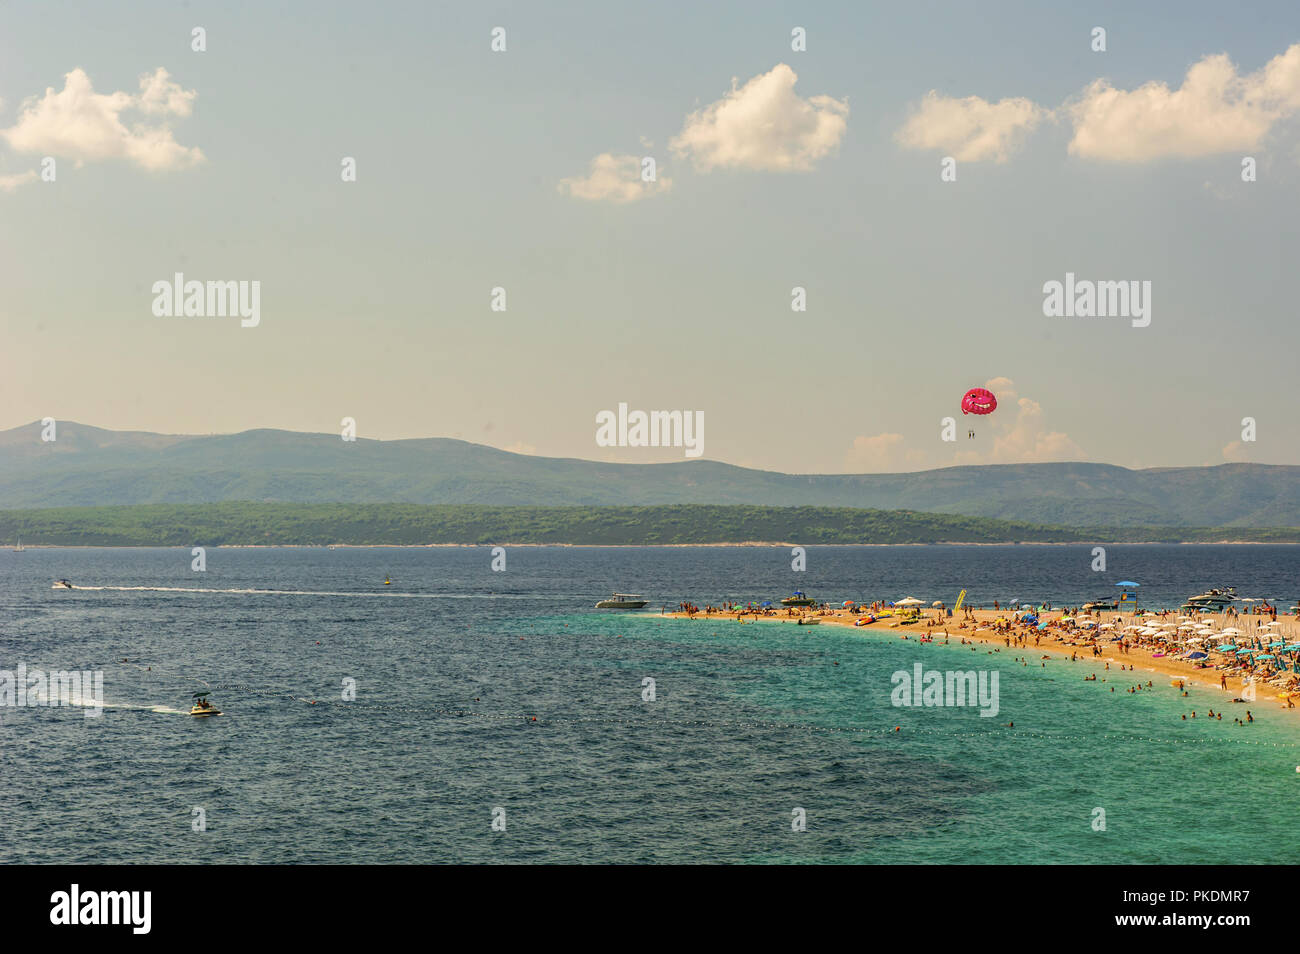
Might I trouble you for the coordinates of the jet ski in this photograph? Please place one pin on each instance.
(202, 707)
(62, 585)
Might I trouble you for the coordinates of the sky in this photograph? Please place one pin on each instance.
(775, 168)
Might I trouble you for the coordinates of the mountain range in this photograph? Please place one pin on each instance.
(89, 466)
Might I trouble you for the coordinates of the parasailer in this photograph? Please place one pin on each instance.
(978, 401)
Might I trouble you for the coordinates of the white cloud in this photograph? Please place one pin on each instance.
(1018, 432)
(1235, 452)
(763, 125)
(11, 182)
(970, 129)
(160, 95)
(1214, 111)
(614, 179)
(79, 124)
(882, 454)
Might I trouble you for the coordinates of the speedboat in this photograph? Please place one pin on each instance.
(62, 585)
(798, 599)
(808, 621)
(1105, 603)
(622, 601)
(202, 707)
(1212, 601)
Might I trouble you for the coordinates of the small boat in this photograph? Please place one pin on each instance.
(62, 585)
(202, 707)
(1105, 603)
(622, 601)
(19, 548)
(798, 599)
(808, 621)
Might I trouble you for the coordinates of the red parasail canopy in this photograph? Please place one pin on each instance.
(978, 401)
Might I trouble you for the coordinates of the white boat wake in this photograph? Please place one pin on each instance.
(247, 591)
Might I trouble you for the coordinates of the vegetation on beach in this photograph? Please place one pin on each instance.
(247, 523)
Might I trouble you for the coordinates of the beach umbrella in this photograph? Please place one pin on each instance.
(910, 601)
(766, 603)
(937, 603)
(1197, 655)
(847, 603)
(1265, 656)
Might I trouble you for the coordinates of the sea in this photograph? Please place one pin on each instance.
(463, 713)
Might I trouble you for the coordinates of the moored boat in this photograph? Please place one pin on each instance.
(1105, 603)
(1211, 601)
(798, 599)
(622, 601)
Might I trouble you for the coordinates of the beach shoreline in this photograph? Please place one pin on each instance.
(979, 630)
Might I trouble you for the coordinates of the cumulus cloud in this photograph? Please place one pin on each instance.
(1018, 432)
(8, 183)
(79, 124)
(613, 178)
(1216, 110)
(882, 454)
(1235, 452)
(1029, 439)
(970, 129)
(763, 125)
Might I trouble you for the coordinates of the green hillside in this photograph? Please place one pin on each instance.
(233, 524)
(88, 466)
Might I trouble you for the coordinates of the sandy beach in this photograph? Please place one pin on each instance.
(1060, 644)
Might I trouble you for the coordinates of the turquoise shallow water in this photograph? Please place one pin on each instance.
(749, 722)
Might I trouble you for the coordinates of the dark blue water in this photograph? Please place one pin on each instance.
(453, 662)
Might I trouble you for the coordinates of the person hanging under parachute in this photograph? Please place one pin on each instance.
(978, 401)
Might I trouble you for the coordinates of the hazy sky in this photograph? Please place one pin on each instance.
(775, 168)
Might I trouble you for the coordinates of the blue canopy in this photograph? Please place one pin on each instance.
(1197, 655)
(1127, 583)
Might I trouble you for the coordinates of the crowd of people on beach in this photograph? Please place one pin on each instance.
(1250, 645)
